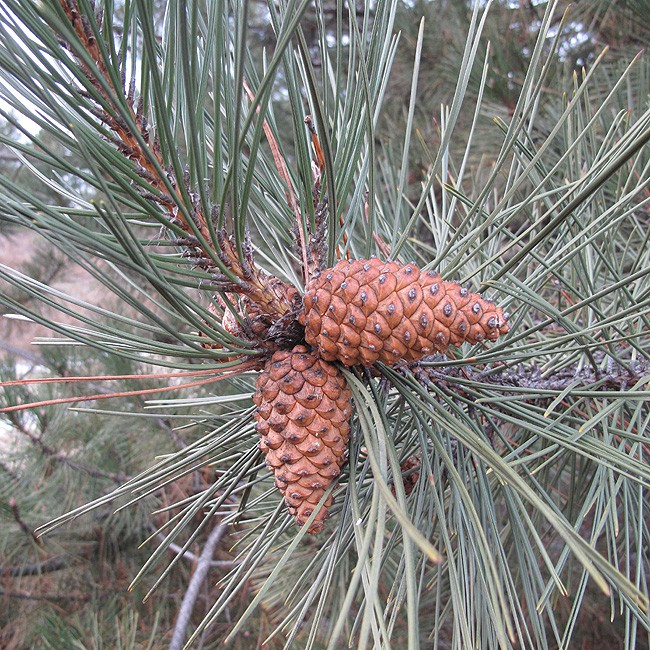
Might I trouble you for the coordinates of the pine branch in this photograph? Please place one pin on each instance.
(147, 159)
(26, 595)
(64, 459)
(194, 587)
(205, 245)
(36, 568)
(15, 511)
(436, 443)
(191, 557)
(528, 381)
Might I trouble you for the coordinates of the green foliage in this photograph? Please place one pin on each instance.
(529, 503)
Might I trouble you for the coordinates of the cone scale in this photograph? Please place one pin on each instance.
(365, 311)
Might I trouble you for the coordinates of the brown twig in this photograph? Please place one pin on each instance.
(617, 379)
(62, 458)
(126, 140)
(36, 568)
(15, 511)
(26, 595)
(166, 190)
(317, 244)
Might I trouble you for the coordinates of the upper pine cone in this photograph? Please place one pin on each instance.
(303, 416)
(364, 311)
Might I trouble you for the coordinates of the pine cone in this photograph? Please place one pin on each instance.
(303, 415)
(364, 311)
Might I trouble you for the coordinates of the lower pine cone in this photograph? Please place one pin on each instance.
(303, 416)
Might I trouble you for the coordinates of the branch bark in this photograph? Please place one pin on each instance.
(25, 595)
(617, 378)
(35, 568)
(194, 587)
(37, 441)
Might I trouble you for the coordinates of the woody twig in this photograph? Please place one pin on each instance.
(202, 243)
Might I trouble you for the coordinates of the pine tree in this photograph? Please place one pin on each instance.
(431, 328)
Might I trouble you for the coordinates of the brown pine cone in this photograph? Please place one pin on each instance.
(364, 311)
(303, 415)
